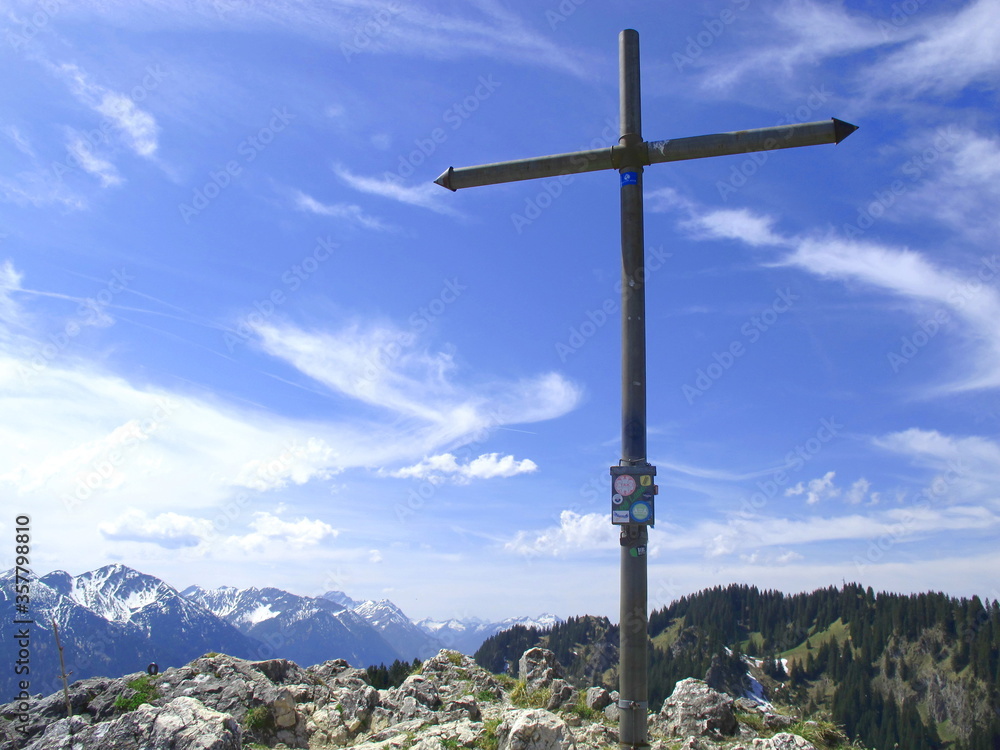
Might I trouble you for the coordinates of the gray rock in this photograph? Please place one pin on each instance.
(597, 735)
(562, 695)
(465, 707)
(538, 668)
(463, 732)
(457, 675)
(598, 698)
(534, 729)
(783, 741)
(696, 710)
(182, 724)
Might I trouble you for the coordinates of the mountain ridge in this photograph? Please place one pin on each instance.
(115, 619)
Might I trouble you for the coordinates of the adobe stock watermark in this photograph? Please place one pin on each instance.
(595, 320)
(741, 532)
(561, 12)
(915, 342)
(80, 152)
(454, 117)
(879, 546)
(795, 460)
(419, 321)
(423, 493)
(714, 28)
(47, 10)
(91, 312)
(292, 280)
(100, 472)
(223, 8)
(916, 168)
(369, 31)
(752, 331)
(249, 149)
(901, 14)
(741, 173)
(553, 188)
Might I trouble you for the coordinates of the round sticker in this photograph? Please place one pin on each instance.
(640, 511)
(617, 499)
(624, 484)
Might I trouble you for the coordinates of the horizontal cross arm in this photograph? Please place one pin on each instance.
(653, 152)
(527, 169)
(745, 141)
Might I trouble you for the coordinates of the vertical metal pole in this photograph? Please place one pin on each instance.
(633, 668)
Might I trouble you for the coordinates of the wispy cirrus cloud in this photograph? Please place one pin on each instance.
(137, 127)
(945, 53)
(905, 273)
(350, 212)
(428, 196)
(91, 163)
(386, 367)
(482, 29)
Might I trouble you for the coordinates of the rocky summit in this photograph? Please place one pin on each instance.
(219, 702)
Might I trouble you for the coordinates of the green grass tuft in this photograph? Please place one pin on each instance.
(487, 739)
(144, 691)
(258, 718)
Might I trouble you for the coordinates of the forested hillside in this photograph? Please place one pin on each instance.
(919, 671)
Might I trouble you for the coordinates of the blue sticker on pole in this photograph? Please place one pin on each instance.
(630, 178)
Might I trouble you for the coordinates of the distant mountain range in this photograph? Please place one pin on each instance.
(116, 620)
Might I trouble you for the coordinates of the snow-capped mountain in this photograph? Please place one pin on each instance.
(116, 620)
(468, 635)
(111, 621)
(408, 639)
(339, 597)
(304, 629)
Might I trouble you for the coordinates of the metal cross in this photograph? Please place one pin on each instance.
(632, 487)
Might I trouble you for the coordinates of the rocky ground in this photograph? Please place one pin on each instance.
(218, 702)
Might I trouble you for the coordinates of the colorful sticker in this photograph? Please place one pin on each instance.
(638, 551)
(617, 499)
(624, 484)
(641, 511)
(645, 480)
(619, 516)
(630, 178)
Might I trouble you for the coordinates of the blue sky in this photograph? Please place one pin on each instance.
(245, 340)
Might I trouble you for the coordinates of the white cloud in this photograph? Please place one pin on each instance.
(964, 297)
(348, 211)
(948, 54)
(89, 162)
(138, 128)
(446, 466)
(268, 529)
(901, 524)
(19, 140)
(815, 490)
(296, 463)
(173, 530)
(858, 491)
(809, 32)
(426, 195)
(575, 533)
(384, 367)
(10, 311)
(960, 188)
(169, 530)
(735, 224)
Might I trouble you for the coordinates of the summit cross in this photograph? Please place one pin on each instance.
(632, 480)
